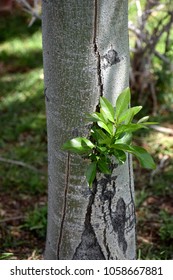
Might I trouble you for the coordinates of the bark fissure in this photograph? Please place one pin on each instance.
(104, 236)
(96, 50)
(133, 212)
(45, 94)
(67, 175)
(130, 176)
(106, 198)
(89, 248)
(117, 217)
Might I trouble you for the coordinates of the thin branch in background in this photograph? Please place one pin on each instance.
(139, 11)
(19, 163)
(165, 28)
(167, 41)
(154, 98)
(141, 37)
(162, 129)
(162, 164)
(34, 10)
(146, 13)
(162, 57)
(12, 219)
(142, 78)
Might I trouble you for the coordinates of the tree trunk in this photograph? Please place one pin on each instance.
(86, 55)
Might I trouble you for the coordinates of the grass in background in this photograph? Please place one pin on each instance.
(22, 138)
(154, 190)
(154, 196)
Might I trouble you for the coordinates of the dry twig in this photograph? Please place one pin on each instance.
(32, 10)
(20, 163)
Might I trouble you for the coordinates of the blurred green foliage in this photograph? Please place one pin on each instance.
(22, 136)
(36, 221)
(155, 89)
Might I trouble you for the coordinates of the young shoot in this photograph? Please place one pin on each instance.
(111, 137)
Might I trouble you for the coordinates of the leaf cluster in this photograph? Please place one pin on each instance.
(111, 136)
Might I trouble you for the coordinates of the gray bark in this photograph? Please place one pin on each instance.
(86, 55)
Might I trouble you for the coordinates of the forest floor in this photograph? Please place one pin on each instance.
(23, 189)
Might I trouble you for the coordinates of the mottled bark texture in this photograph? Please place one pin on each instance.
(86, 55)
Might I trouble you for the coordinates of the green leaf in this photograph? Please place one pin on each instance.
(129, 128)
(120, 156)
(144, 119)
(97, 133)
(106, 141)
(111, 126)
(127, 116)
(122, 103)
(142, 155)
(104, 126)
(95, 117)
(91, 173)
(102, 149)
(100, 136)
(78, 145)
(125, 139)
(103, 166)
(107, 108)
(103, 116)
(149, 123)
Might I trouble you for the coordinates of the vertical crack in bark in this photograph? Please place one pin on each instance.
(130, 188)
(89, 248)
(67, 175)
(104, 236)
(133, 222)
(47, 99)
(130, 176)
(106, 198)
(118, 218)
(96, 51)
